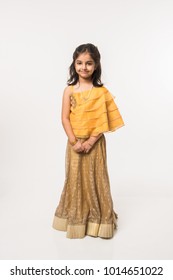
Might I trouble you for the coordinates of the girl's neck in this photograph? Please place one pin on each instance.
(84, 83)
(83, 86)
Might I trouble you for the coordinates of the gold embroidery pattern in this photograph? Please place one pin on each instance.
(86, 206)
(73, 101)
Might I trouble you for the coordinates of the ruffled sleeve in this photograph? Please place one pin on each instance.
(97, 115)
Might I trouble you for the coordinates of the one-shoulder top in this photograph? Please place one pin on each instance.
(93, 112)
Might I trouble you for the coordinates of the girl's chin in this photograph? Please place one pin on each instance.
(84, 75)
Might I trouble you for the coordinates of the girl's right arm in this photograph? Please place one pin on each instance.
(65, 116)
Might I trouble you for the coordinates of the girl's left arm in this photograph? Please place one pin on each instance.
(93, 139)
(89, 143)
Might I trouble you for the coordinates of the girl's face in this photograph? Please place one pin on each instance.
(84, 66)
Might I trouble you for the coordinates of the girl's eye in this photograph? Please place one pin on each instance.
(88, 63)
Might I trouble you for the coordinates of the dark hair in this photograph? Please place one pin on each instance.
(94, 53)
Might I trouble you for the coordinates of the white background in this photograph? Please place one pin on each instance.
(37, 39)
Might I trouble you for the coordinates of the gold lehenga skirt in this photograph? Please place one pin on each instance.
(86, 206)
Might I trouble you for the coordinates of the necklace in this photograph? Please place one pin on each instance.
(85, 98)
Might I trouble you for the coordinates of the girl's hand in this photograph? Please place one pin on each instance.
(78, 148)
(86, 146)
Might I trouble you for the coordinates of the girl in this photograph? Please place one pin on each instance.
(88, 110)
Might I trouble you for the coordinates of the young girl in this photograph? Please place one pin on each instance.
(88, 110)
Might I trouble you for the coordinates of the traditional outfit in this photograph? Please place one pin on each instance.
(86, 206)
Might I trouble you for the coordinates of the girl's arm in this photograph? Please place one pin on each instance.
(89, 143)
(93, 139)
(65, 116)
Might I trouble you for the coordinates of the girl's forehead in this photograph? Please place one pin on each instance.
(84, 57)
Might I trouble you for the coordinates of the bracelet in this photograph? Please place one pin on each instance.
(74, 142)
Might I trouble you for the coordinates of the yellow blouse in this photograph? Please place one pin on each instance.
(94, 112)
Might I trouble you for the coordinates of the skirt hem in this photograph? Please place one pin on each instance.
(81, 230)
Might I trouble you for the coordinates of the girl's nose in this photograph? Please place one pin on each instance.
(83, 66)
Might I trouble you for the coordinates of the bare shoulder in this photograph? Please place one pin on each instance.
(68, 91)
(104, 88)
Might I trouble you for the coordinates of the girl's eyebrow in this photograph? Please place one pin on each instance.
(86, 61)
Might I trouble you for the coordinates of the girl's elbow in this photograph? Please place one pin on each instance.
(64, 121)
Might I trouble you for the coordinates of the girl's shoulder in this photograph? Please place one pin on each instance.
(102, 89)
(68, 90)
(106, 92)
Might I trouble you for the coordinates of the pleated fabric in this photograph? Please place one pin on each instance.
(86, 206)
(97, 114)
